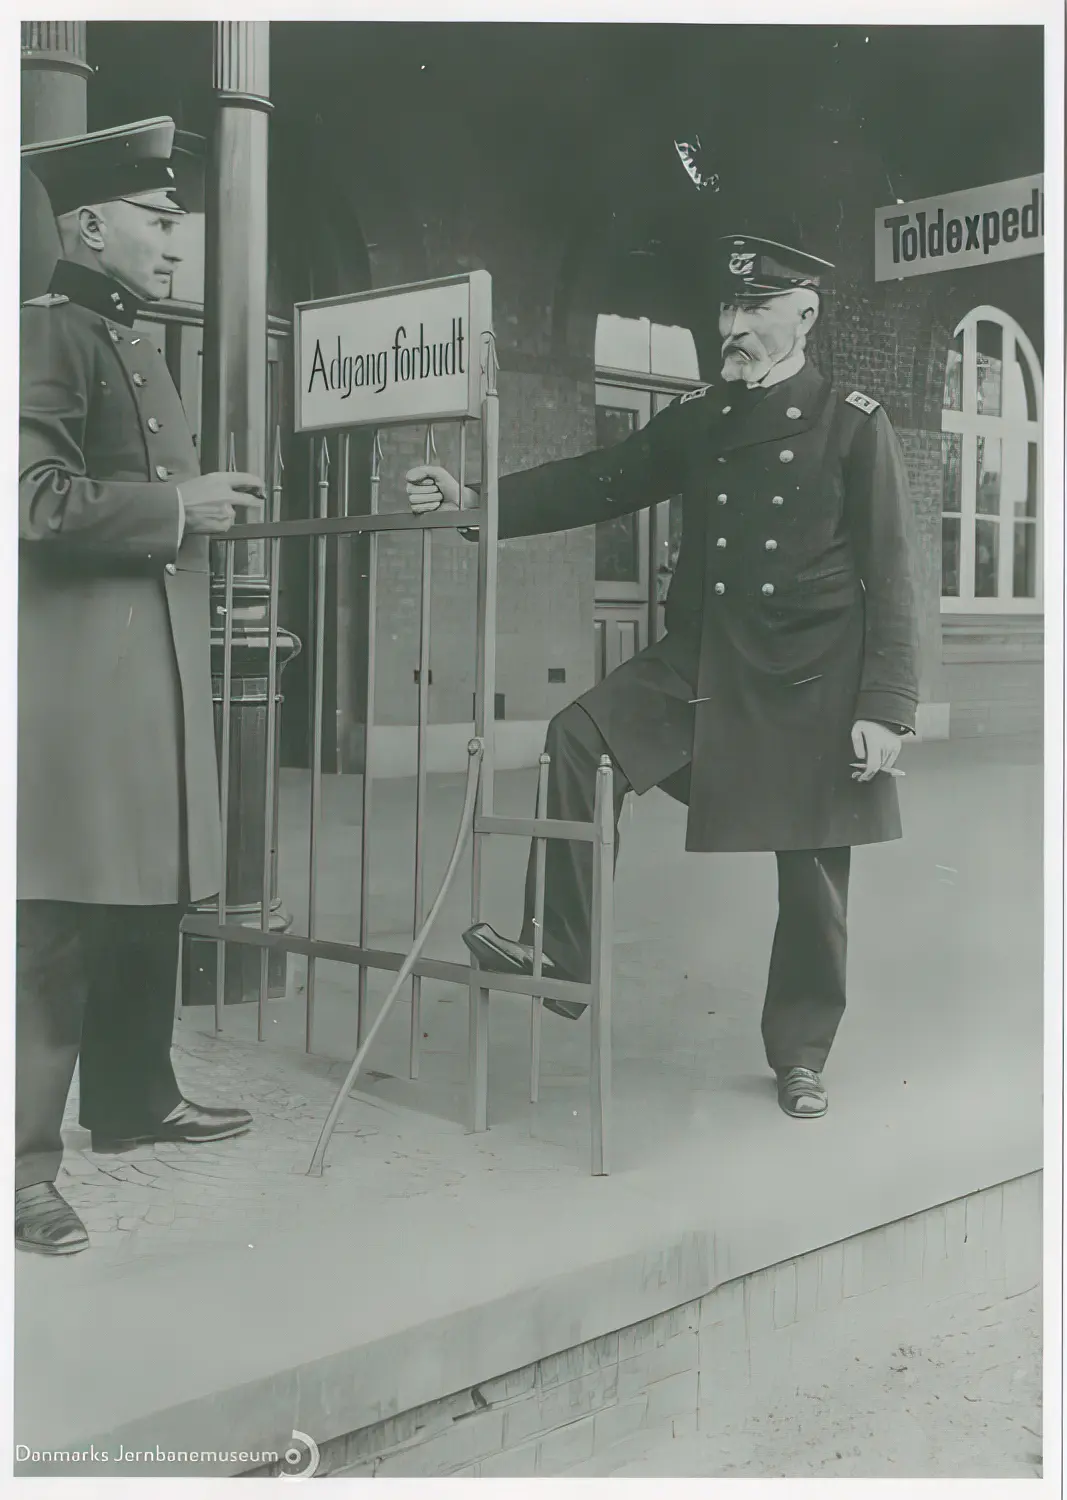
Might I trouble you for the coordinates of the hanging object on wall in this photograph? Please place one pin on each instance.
(691, 155)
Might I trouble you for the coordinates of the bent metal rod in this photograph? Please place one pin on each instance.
(466, 822)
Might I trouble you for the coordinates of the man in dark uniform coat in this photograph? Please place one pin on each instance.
(118, 817)
(776, 702)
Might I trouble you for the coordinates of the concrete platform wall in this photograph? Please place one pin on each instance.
(697, 1366)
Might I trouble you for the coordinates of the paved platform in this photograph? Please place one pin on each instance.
(229, 1298)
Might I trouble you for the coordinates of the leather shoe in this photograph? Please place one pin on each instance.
(801, 1093)
(186, 1122)
(45, 1222)
(501, 955)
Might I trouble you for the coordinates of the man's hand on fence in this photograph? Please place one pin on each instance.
(211, 500)
(433, 488)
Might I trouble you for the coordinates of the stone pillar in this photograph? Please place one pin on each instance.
(54, 78)
(234, 434)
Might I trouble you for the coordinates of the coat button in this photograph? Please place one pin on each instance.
(162, 472)
(721, 459)
(721, 499)
(793, 412)
(153, 424)
(138, 380)
(786, 456)
(771, 545)
(777, 499)
(768, 589)
(720, 588)
(721, 542)
(727, 410)
(170, 568)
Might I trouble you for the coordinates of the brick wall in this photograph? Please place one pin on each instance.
(922, 455)
(995, 698)
(462, 217)
(701, 1365)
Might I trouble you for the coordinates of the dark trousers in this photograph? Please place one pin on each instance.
(99, 981)
(805, 995)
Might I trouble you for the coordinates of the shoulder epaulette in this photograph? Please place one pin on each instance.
(49, 299)
(862, 403)
(694, 395)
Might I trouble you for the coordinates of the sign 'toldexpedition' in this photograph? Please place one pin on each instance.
(405, 354)
(1004, 221)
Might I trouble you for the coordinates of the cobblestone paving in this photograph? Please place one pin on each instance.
(161, 1199)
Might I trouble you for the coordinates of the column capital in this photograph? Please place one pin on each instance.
(58, 46)
(241, 63)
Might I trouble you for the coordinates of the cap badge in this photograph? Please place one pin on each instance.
(741, 264)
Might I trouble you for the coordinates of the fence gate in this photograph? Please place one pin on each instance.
(420, 355)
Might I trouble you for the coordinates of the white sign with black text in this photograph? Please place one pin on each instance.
(405, 354)
(1005, 221)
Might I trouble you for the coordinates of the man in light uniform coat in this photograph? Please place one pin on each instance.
(775, 704)
(118, 816)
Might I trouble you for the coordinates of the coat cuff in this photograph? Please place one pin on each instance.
(885, 707)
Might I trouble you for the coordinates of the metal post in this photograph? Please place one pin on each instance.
(652, 629)
(342, 672)
(420, 770)
(236, 386)
(540, 850)
(484, 707)
(269, 822)
(372, 646)
(316, 732)
(600, 970)
(178, 986)
(224, 760)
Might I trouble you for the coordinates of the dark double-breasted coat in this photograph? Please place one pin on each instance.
(118, 786)
(791, 612)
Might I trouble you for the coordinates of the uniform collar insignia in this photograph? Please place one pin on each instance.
(96, 292)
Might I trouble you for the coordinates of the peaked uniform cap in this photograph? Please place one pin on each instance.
(126, 161)
(751, 267)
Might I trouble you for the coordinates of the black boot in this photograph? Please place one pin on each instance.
(188, 1122)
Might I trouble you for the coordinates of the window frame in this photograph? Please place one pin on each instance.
(971, 425)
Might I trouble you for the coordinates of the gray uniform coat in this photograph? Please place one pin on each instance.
(791, 612)
(118, 781)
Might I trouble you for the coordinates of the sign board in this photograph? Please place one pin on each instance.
(1005, 221)
(405, 354)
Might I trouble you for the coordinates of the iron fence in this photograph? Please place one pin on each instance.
(477, 820)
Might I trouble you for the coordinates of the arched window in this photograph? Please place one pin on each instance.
(991, 469)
